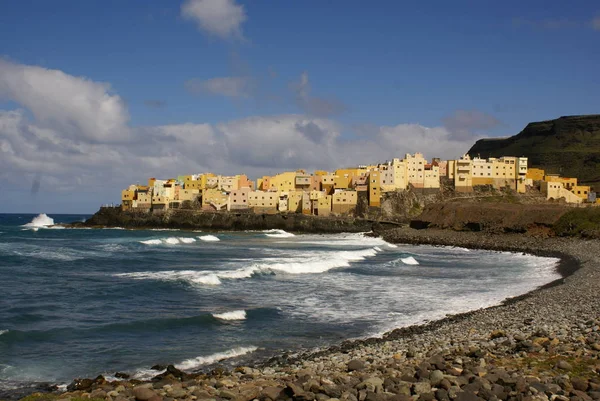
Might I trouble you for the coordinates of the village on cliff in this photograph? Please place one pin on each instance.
(325, 193)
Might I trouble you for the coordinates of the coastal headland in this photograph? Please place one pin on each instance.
(541, 346)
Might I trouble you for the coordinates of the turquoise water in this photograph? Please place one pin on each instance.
(78, 303)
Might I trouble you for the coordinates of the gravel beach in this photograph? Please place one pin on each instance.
(541, 346)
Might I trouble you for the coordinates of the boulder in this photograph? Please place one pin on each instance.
(143, 393)
(355, 364)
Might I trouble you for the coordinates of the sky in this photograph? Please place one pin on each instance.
(97, 95)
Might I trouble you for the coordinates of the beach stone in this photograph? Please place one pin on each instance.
(228, 394)
(143, 393)
(355, 365)
(436, 377)
(564, 365)
(80, 384)
(467, 396)
(421, 388)
(582, 395)
(579, 384)
(177, 393)
(272, 392)
(374, 384)
(441, 395)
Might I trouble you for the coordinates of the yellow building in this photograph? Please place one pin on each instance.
(581, 191)
(344, 201)
(415, 166)
(374, 189)
(214, 198)
(394, 175)
(188, 194)
(568, 183)
(556, 190)
(324, 205)
(535, 174)
(431, 176)
(263, 200)
(294, 201)
(461, 172)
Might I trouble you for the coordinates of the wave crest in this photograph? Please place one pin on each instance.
(276, 233)
(41, 220)
(208, 238)
(195, 363)
(409, 261)
(233, 315)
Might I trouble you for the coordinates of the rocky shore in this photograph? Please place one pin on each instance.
(542, 346)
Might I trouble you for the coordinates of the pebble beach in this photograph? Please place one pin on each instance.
(540, 346)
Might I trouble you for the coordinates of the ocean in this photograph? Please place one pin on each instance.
(84, 302)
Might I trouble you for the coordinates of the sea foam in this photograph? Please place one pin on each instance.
(409, 261)
(233, 315)
(41, 220)
(195, 363)
(208, 238)
(3, 332)
(275, 233)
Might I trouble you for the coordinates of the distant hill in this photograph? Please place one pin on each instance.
(569, 146)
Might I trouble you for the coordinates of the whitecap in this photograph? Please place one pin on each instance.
(171, 241)
(187, 240)
(189, 276)
(276, 233)
(41, 220)
(233, 315)
(147, 374)
(3, 332)
(195, 363)
(208, 238)
(151, 242)
(378, 249)
(409, 261)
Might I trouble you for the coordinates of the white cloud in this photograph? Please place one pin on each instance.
(75, 155)
(76, 106)
(234, 87)
(222, 18)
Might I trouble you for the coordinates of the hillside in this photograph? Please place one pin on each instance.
(569, 146)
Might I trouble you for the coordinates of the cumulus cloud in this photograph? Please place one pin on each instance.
(77, 156)
(221, 18)
(465, 124)
(233, 87)
(312, 105)
(80, 108)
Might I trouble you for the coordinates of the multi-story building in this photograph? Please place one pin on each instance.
(344, 201)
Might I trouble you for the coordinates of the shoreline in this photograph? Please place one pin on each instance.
(518, 321)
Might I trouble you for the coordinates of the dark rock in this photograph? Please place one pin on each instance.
(441, 395)
(80, 384)
(467, 396)
(427, 397)
(158, 367)
(122, 375)
(579, 384)
(400, 397)
(582, 395)
(355, 364)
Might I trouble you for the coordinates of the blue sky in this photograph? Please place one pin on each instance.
(160, 78)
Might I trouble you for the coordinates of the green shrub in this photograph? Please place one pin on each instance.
(582, 222)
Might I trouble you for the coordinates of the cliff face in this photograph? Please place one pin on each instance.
(491, 217)
(569, 146)
(189, 219)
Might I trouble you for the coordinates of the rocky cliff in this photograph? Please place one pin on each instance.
(193, 219)
(569, 146)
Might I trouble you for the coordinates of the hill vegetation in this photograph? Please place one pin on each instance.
(569, 146)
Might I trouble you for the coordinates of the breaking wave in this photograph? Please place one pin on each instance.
(41, 220)
(409, 261)
(195, 363)
(208, 238)
(275, 233)
(3, 332)
(169, 241)
(233, 315)
(318, 263)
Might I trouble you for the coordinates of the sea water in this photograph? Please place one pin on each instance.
(84, 302)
